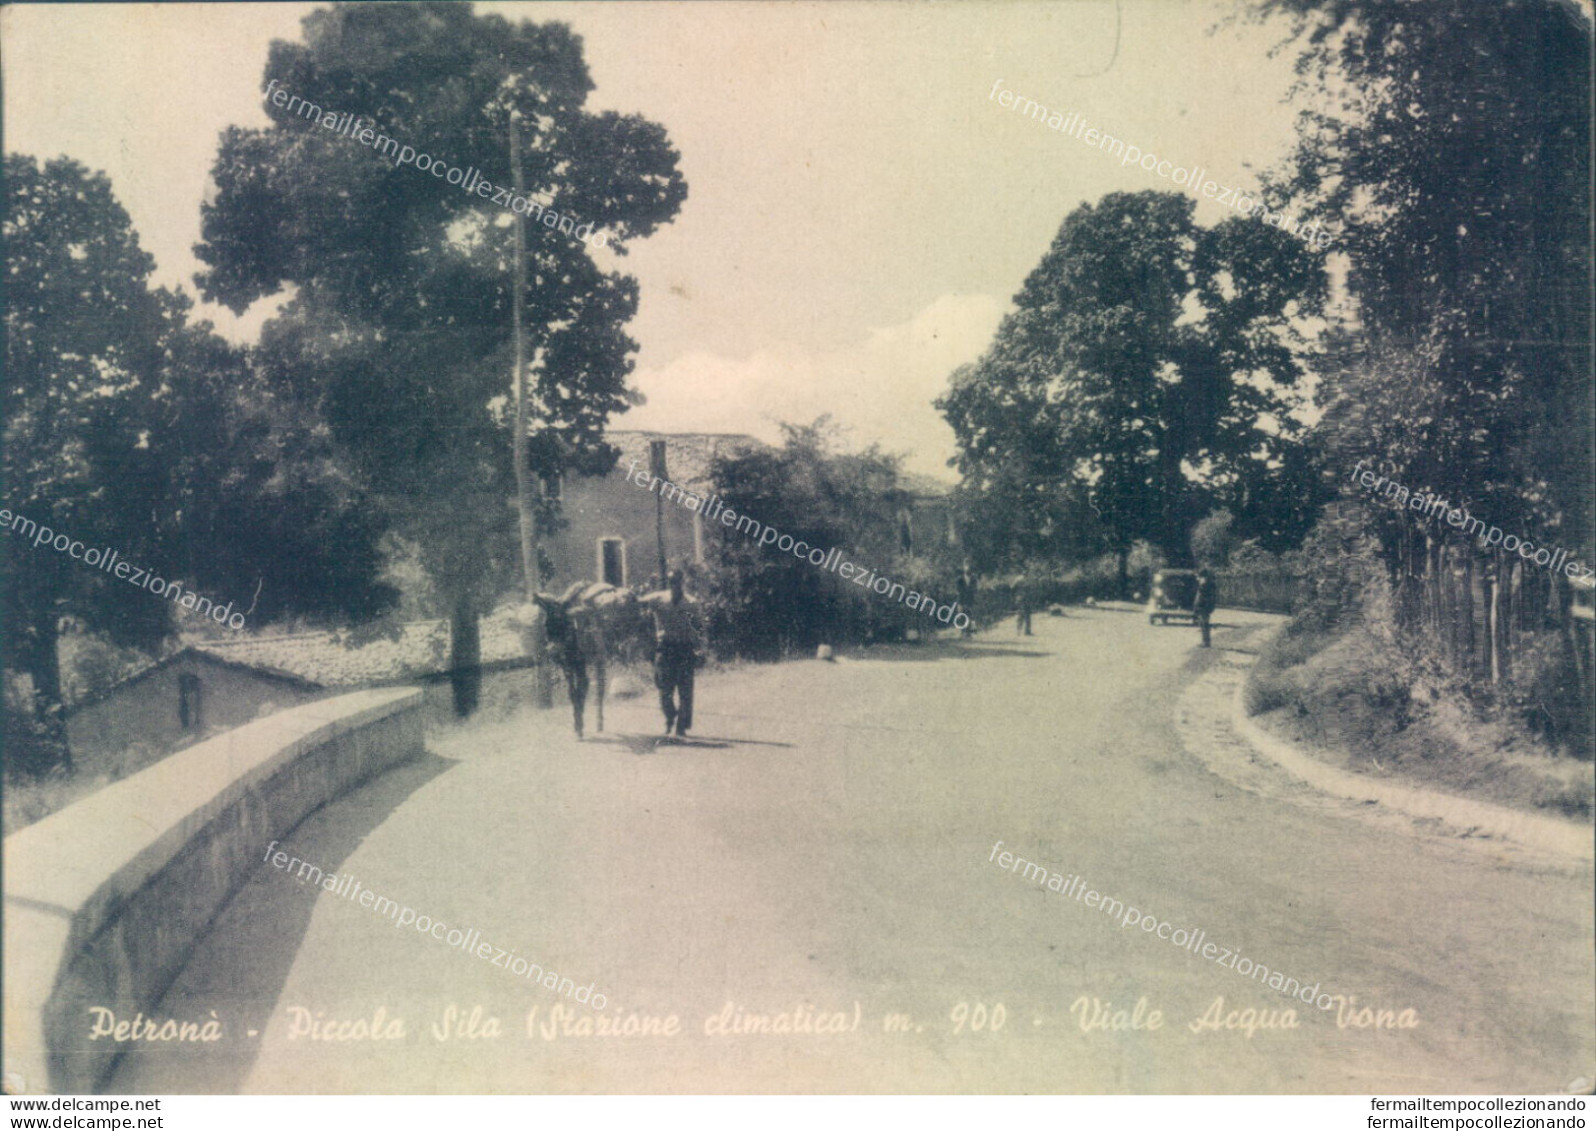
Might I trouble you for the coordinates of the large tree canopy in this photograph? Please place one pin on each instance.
(83, 353)
(1449, 146)
(1145, 372)
(130, 428)
(400, 324)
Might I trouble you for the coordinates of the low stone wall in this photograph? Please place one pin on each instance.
(106, 899)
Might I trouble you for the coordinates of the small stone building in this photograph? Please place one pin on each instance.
(214, 685)
(613, 523)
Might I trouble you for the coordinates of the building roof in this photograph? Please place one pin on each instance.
(688, 455)
(188, 652)
(335, 660)
(315, 661)
(924, 486)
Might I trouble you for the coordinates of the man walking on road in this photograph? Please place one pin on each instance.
(1025, 599)
(1203, 604)
(677, 642)
(966, 591)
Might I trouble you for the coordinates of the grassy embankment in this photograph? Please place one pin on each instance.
(1361, 703)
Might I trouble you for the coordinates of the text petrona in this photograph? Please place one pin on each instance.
(143, 1028)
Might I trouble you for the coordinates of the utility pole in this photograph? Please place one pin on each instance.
(531, 574)
(656, 467)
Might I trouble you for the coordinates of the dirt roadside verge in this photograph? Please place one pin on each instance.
(1215, 728)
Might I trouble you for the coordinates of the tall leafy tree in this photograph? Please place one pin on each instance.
(1013, 504)
(257, 505)
(83, 352)
(1149, 365)
(764, 601)
(1449, 146)
(404, 286)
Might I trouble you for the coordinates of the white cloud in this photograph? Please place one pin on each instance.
(880, 388)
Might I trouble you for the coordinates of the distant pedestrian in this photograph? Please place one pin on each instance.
(1205, 601)
(1026, 601)
(677, 647)
(965, 586)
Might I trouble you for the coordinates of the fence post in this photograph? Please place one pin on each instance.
(1468, 610)
(1492, 603)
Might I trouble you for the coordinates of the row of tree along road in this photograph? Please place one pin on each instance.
(1162, 391)
(1156, 375)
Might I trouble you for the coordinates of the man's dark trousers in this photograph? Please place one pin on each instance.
(673, 675)
(1203, 604)
(575, 668)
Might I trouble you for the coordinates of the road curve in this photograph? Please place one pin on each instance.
(820, 859)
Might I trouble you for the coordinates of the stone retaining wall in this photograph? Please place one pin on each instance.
(106, 899)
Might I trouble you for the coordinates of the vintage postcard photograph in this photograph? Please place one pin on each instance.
(880, 547)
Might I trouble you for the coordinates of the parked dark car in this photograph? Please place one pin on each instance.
(1174, 594)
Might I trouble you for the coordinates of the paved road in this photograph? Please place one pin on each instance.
(823, 850)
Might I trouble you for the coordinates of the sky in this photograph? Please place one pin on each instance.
(860, 209)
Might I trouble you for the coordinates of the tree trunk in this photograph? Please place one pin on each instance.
(518, 444)
(1403, 579)
(1174, 522)
(465, 656)
(1494, 626)
(42, 659)
(1488, 611)
(1437, 581)
(1441, 599)
(1570, 630)
(1514, 621)
(44, 663)
(1123, 557)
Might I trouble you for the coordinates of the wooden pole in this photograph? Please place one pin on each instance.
(1468, 611)
(531, 574)
(1493, 640)
(659, 535)
(523, 485)
(657, 467)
